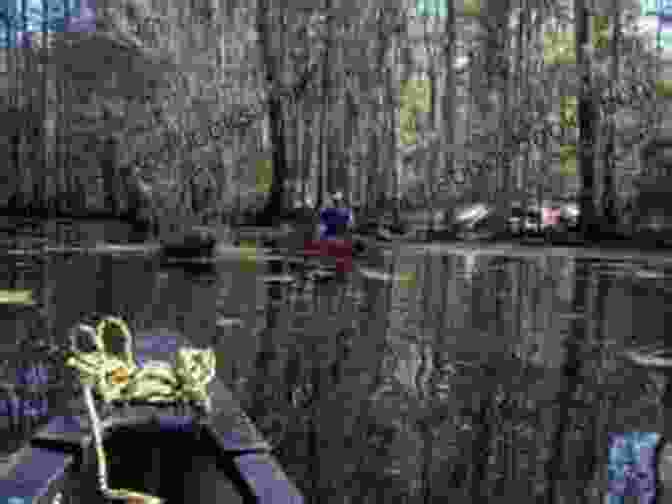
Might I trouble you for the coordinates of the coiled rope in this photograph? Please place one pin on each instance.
(121, 380)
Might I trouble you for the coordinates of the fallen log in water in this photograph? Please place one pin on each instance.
(198, 243)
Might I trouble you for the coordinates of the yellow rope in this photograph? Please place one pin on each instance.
(117, 379)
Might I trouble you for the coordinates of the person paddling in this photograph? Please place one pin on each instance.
(336, 219)
(335, 223)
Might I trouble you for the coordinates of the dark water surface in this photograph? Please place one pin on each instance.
(472, 376)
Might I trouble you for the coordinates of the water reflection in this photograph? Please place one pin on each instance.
(486, 375)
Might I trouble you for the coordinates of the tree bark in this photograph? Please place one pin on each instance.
(325, 130)
(111, 176)
(608, 194)
(505, 94)
(394, 78)
(275, 205)
(587, 118)
(449, 95)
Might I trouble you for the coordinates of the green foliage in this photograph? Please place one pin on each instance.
(472, 8)
(431, 8)
(264, 175)
(408, 134)
(664, 88)
(416, 96)
(568, 162)
(559, 48)
(568, 112)
(665, 40)
(601, 31)
(649, 7)
(249, 256)
(16, 297)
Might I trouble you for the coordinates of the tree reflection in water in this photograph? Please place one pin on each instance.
(499, 383)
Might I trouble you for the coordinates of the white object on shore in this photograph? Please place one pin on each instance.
(657, 359)
(321, 274)
(384, 276)
(223, 321)
(279, 279)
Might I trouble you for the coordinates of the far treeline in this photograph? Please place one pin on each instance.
(204, 111)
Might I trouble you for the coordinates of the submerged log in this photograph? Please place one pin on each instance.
(197, 242)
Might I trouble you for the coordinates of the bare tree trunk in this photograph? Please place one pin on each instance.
(299, 121)
(372, 172)
(587, 118)
(62, 194)
(381, 111)
(14, 137)
(316, 150)
(395, 161)
(307, 156)
(46, 129)
(608, 194)
(336, 175)
(111, 177)
(520, 86)
(270, 61)
(349, 135)
(24, 172)
(325, 123)
(449, 92)
(505, 92)
(323, 153)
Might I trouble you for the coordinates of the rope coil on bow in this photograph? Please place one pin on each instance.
(120, 379)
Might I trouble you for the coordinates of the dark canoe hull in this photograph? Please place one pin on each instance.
(265, 237)
(168, 453)
(196, 242)
(189, 249)
(192, 265)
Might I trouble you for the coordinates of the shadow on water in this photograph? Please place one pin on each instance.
(420, 378)
(181, 466)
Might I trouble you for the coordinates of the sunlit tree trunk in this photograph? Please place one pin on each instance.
(307, 153)
(299, 120)
(272, 77)
(349, 139)
(372, 171)
(323, 156)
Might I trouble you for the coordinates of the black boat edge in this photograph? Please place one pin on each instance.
(55, 466)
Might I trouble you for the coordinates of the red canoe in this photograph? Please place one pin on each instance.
(340, 250)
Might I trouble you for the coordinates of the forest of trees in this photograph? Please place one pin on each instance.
(492, 98)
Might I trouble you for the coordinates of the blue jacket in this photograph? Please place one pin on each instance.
(334, 222)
